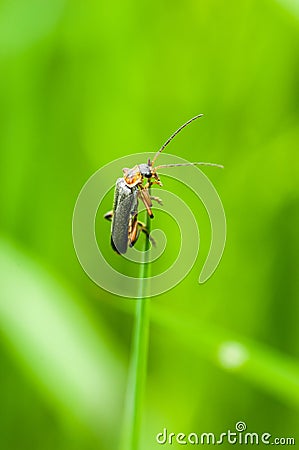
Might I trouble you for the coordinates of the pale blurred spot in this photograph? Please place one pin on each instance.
(232, 355)
(291, 5)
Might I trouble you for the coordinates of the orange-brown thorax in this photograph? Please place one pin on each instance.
(133, 176)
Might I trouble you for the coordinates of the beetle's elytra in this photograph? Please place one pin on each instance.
(134, 185)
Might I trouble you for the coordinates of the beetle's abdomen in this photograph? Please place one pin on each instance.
(125, 206)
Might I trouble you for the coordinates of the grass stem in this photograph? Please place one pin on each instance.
(138, 361)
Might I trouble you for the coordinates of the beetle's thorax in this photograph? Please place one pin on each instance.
(135, 176)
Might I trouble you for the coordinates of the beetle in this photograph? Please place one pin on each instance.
(134, 185)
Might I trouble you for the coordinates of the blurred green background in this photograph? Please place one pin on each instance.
(82, 84)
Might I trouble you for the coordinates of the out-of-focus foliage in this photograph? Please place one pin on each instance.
(82, 84)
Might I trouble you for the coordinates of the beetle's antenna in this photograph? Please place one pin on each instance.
(190, 164)
(173, 135)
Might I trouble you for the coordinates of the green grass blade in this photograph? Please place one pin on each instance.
(138, 362)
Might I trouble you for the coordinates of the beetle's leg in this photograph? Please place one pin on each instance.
(157, 199)
(133, 231)
(108, 215)
(145, 197)
(142, 227)
(150, 183)
(157, 179)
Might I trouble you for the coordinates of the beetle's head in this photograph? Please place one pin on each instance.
(149, 172)
(145, 170)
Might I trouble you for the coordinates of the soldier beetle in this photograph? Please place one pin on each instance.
(134, 185)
